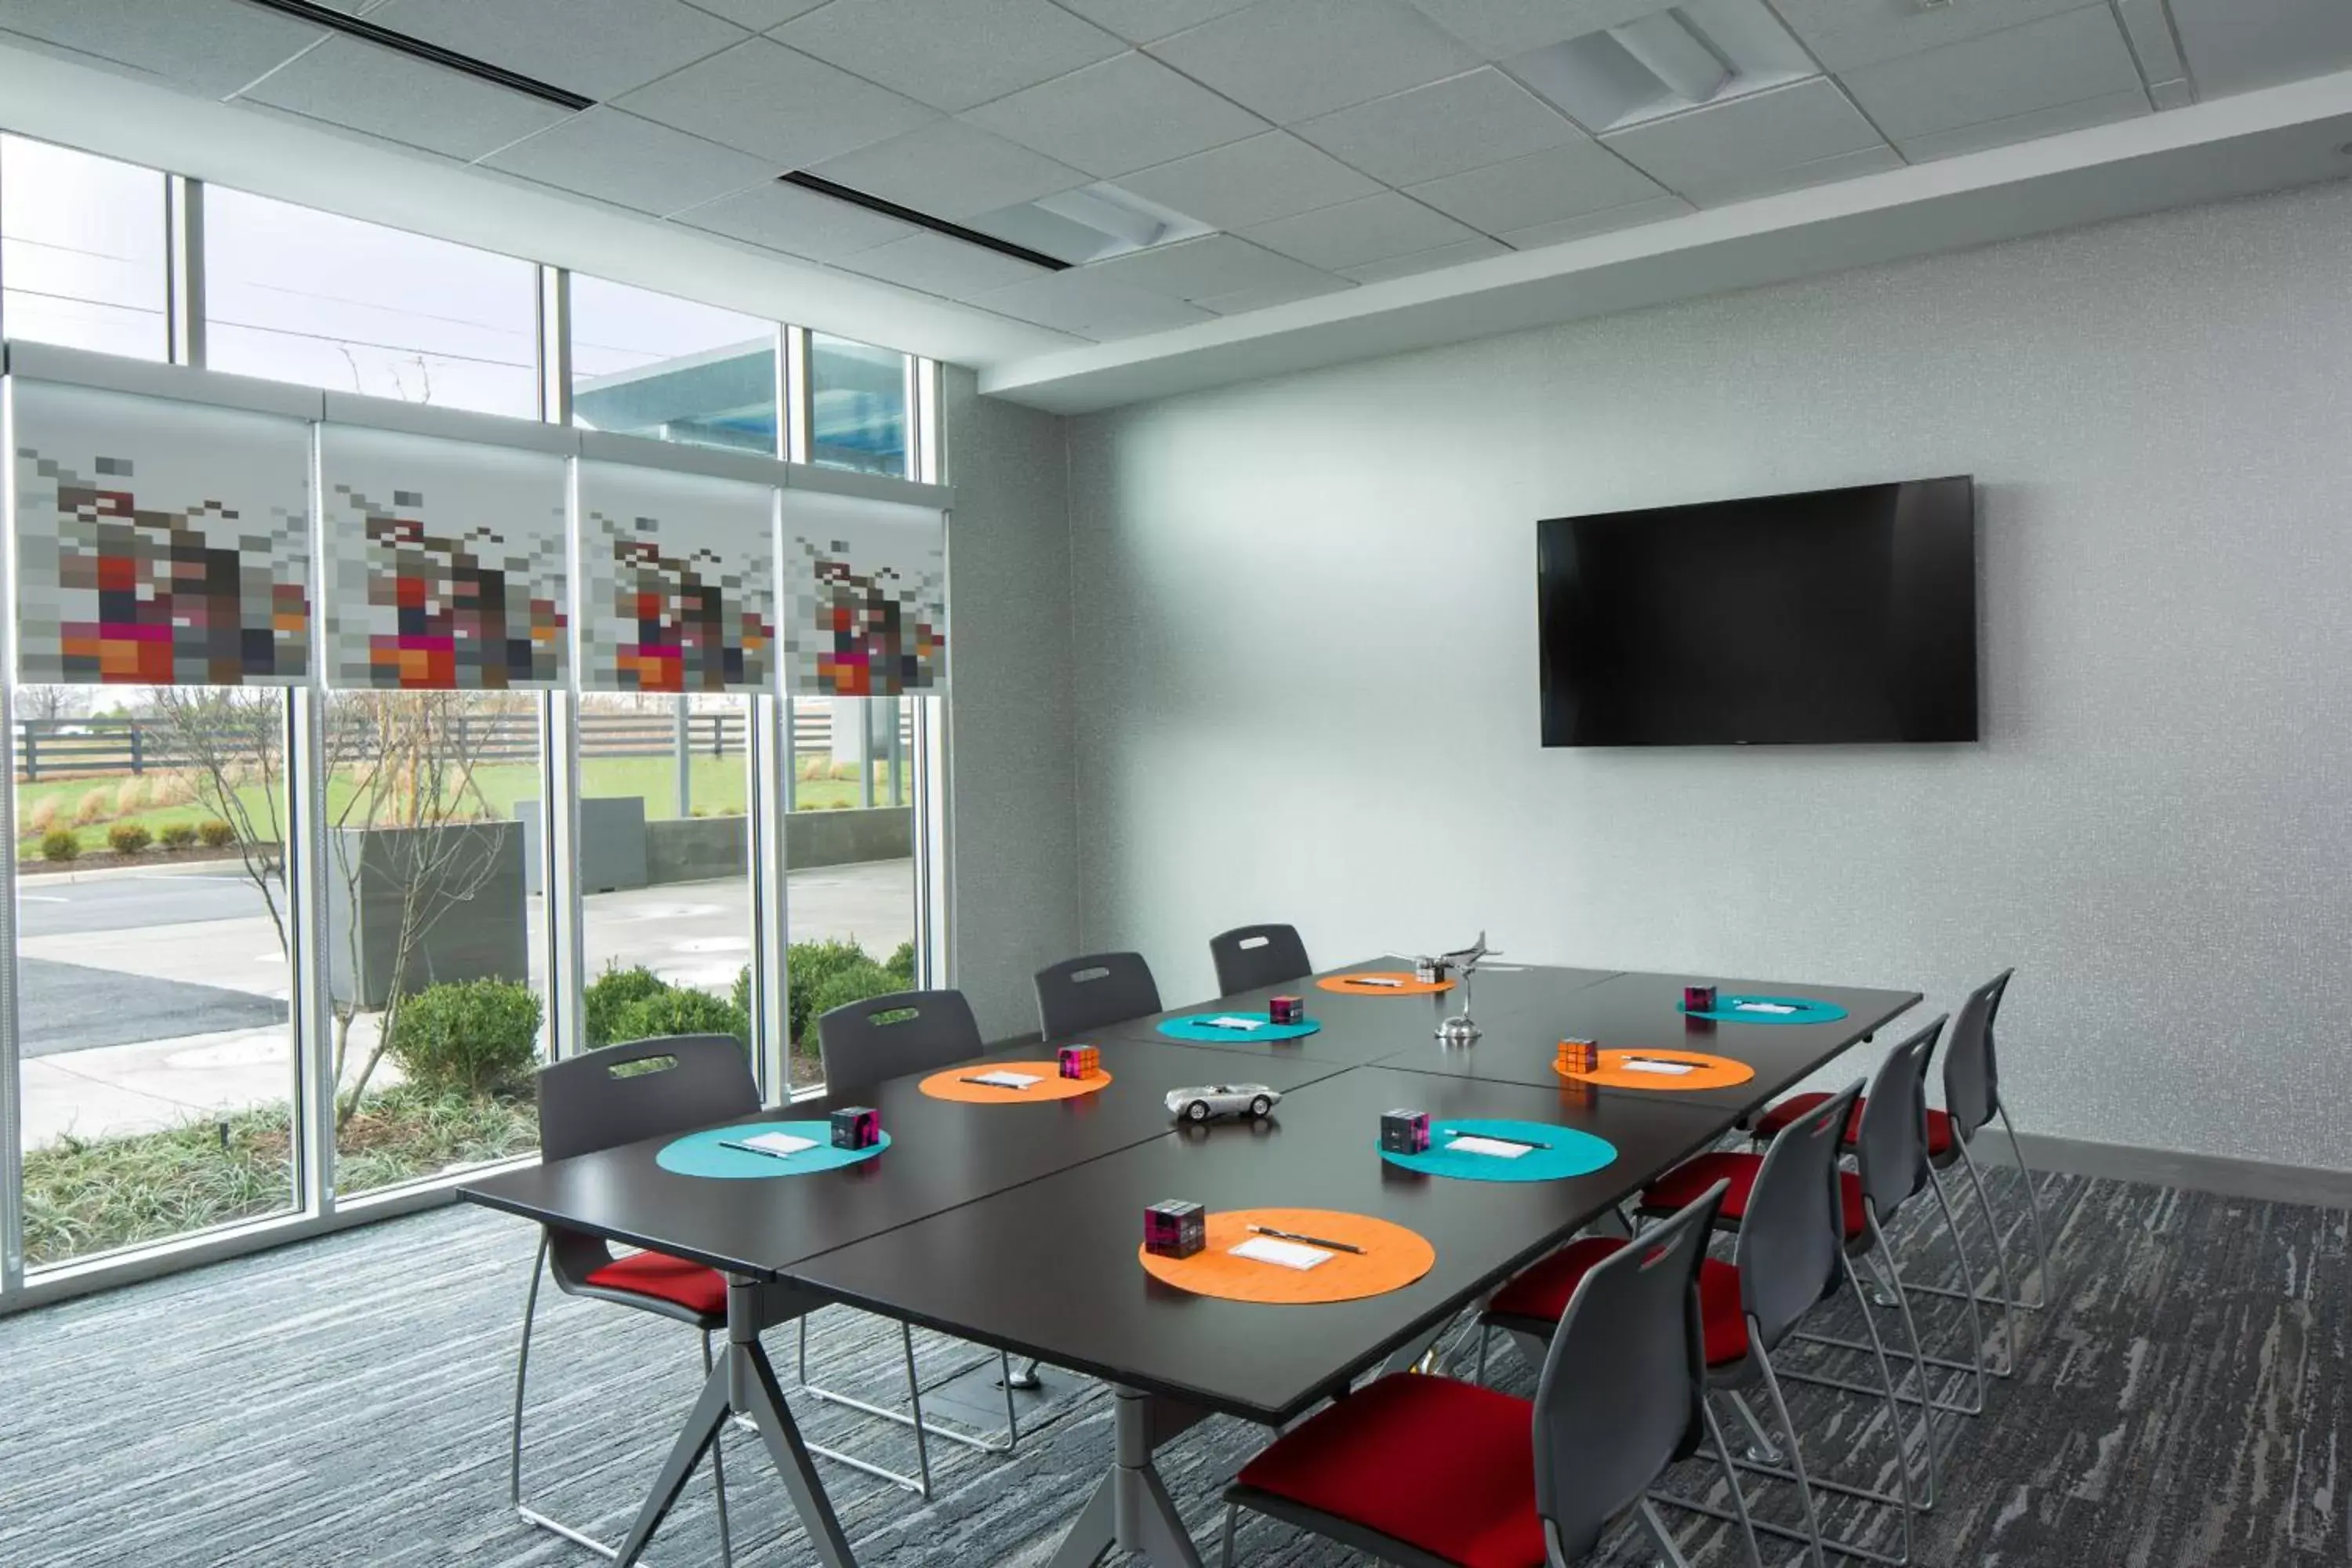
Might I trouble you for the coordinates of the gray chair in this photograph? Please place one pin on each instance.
(1622, 1398)
(602, 1101)
(1080, 994)
(861, 1044)
(1248, 957)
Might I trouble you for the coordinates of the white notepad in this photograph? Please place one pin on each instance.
(1669, 1069)
(777, 1143)
(1229, 1022)
(1282, 1254)
(1005, 1080)
(1376, 980)
(1762, 1008)
(1494, 1147)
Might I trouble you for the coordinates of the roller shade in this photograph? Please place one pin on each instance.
(158, 542)
(864, 595)
(677, 581)
(446, 563)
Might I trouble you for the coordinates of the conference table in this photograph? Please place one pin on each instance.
(1018, 1226)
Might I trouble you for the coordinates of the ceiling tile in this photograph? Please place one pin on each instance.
(1544, 188)
(346, 82)
(1498, 29)
(2148, 26)
(759, 14)
(1749, 186)
(1844, 34)
(1630, 216)
(1742, 138)
(2125, 105)
(1119, 115)
(785, 217)
(211, 46)
(598, 48)
(1143, 21)
(951, 54)
(634, 163)
(1354, 232)
(950, 170)
(2061, 60)
(1463, 123)
(1248, 299)
(1420, 261)
(1294, 59)
(2235, 44)
(1248, 182)
(939, 264)
(1092, 307)
(777, 102)
(1201, 269)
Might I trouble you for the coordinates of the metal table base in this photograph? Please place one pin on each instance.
(1131, 1508)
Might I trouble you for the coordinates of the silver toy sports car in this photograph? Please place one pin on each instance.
(1223, 1100)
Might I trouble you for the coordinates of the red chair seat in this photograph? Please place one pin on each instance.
(1541, 1292)
(1940, 1123)
(1447, 1467)
(1687, 1182)
(666, 1278)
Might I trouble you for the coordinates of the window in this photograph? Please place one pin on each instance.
(857, 405)
(83, 251)
(648, 364)
(304, 295)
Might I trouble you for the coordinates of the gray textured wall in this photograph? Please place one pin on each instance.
(1010, 784)
(1306, 628)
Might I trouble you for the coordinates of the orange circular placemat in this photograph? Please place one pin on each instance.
(1050, 1084)
(1393, 1259)
(1352, 986)
(1711, 1072)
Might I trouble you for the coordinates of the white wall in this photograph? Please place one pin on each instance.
(1010, 784)
(1306, 655)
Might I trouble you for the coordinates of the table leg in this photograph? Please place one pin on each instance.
(1131, 1508)
(744, 1382)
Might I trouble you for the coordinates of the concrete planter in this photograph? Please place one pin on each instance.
(483, 935)
(612, 843)
(708, 848)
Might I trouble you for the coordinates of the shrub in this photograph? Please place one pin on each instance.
(61, 844)
(215, 833)
(844, 772)
(678, 1010)
(44, 813)
(808, 965)
(172, 789)
(128, 838)
(902, 964)
(95, 805)
(130, 797)
(854, 984)
(612, 991)
(178, 835)
(741, 993)
(476, 1037)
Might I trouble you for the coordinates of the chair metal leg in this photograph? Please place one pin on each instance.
(719, 1471)
(2032, 1207)
(1761, 1449)
(1894, 1412)
(2000, 1259)
(1232, 1517)
(1486, 1332)
(1796, 1447)
(522, 1372)
(1731, 1477)
(915, 1401)
(919, 1483)
(1976, 1319)
(1668, 1551)
(1919, 1359)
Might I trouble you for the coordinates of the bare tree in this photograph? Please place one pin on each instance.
(52, 702)
(231, 740)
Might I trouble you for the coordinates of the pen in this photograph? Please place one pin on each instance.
(1309, 1240)
(991, 1083)
(1376, 980)
(1653, 1062)
(755, 1148)
(1493, 1138)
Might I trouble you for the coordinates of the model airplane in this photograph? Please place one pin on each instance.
(1461, 960)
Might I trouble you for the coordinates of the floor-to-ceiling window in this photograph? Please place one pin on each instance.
(860, 406)
(82, 248)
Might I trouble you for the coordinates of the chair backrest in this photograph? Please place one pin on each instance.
(1792, 1233)
(1250, 956)
(1081, 994)
(1892, 1148)
(1619, 1398)
(641, 1089)
(1971, 1074)
(864, 1043)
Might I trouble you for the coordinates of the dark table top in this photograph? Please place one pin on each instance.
(1051, 1269)
(942, 1154)
(1521, 1038)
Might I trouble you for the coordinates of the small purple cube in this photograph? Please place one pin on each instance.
(1175, 1228)
(856, 1127)
(1698, 998)
(1404, 1131)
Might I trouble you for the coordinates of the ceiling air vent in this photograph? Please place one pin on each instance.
(1676, 56)
(1093, 223)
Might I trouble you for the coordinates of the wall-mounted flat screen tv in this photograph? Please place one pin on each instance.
(1845, 617)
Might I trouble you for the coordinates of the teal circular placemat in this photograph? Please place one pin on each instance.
(1198, 1027)
(1572, 1153)
(1728, 1010)
(706, 1155)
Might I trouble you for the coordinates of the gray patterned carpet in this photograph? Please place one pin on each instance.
(343, 1402)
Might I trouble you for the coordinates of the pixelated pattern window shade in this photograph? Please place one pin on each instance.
(865, 596)
(158, 542)
(445, 563)
(678, 581)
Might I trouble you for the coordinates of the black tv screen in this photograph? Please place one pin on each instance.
(1834, 617)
